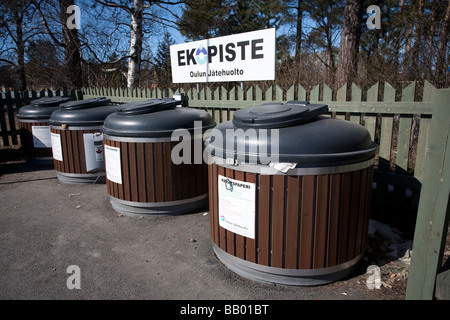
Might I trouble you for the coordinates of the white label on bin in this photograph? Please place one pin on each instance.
(93, 150)
(56, 146)
(41, 136)
(237, 206)
(112, 164)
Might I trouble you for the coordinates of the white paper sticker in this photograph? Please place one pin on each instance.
(41, 136)
(56, 146)
(237, 206)
(112, 164)
(93, 150)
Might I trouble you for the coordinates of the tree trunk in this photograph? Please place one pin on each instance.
(134, 64)
(20, 52)
(298, 37)
(349, 46)
(441, 66)
(415, 73)
(71, 43)
(298, 41)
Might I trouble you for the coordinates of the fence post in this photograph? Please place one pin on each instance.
(434, 210)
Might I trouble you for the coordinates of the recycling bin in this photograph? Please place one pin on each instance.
(77, 142)
(153, 158)
(289, 193)
(35, 129)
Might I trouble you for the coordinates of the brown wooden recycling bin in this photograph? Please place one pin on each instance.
(142, 178)
(77, 142)
(299, 216)
(35, 129)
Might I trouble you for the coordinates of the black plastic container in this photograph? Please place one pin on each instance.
(142, 176)
(77, 141)
(290, 193)
(35, 129)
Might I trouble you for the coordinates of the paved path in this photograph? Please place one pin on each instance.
(47, 226)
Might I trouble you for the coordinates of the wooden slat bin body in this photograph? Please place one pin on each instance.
(290, 193)
(39, 155)
(154, 158)
(72, 168)
(309, 229)
(77, 140)
(151, 184)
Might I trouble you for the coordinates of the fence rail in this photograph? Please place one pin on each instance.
(396, 122)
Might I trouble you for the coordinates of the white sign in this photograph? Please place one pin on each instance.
(112, 164)
(237, 206)
(41, 136)
(93, 150)
(56, 146)
(246, 56)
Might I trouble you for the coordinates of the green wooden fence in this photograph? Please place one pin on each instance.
(410, 126)
(398, 124)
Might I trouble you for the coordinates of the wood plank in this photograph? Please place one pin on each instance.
(363, 212)
(68, 161)
(263, 225)
(134, 185)
(212, 190)
(251, 243)
(306, 222)
(314, 94)
(115, 186)
(434, 210)
(386, 137)
(292, 221)
(125, 171)
(404, 139)
(215, 208)
(422, 146)
(320, 224)
(150, 174)
(333, 220)
(240, 240)
(353, 214)
(372, 93)
(222, 231)
(301, 93)
(142, 179)
(168, 184)
(278, 221)
(231, 236)
(82, 152)
(327, 93)
(346, 179)
(159, 174)
(290, 93)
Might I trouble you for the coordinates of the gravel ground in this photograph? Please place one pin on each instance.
(47, 226)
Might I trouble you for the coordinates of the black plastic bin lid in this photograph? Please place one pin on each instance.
(147, 106)
(154, 119)
(294, 132)
(85, 104)
(41, 109)
(89, 112)
(277, 115)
